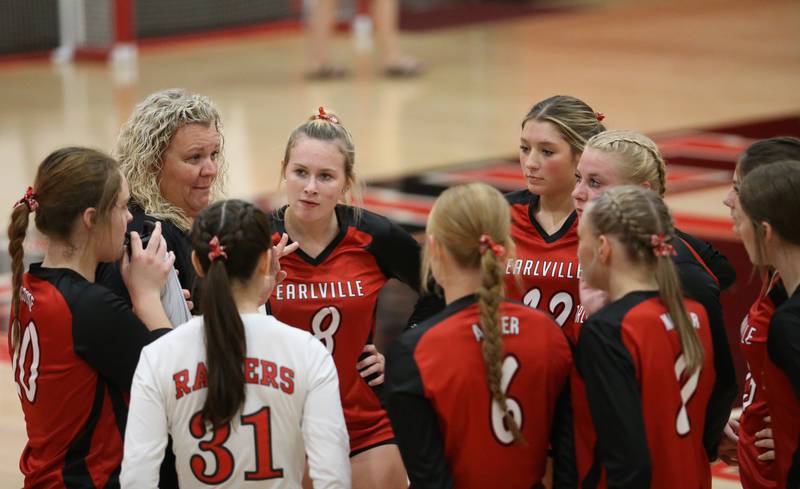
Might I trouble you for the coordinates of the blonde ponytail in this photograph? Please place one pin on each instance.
(641, 222)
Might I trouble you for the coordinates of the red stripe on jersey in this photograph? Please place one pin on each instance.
(700, 260)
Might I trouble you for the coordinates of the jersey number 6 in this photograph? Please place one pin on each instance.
(223, 458)
(501, 432)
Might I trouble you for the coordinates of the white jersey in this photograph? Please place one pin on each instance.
(292, 409)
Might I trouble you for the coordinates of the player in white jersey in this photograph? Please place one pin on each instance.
(245, 397)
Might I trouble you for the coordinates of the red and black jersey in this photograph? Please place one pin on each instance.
(700, 282)
(334, 296)
(79, 347)
(450, 432)
(544, 275)
(782, 387)
(646, 415)
(755, 473)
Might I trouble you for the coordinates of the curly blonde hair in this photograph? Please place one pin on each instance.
(144, 139)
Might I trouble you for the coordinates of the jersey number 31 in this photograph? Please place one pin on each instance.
(223, 457)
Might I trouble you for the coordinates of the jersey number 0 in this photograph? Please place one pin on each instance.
(26, 374)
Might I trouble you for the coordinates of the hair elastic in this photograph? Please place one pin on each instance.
(487, 243)
(29, 199)
(216, 250)
(325, 116)
(660, 246)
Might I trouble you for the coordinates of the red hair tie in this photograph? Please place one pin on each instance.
(487, 243)
(660, 246)
(217, 250)
(29, 199)
(600, 116)
(326, 117)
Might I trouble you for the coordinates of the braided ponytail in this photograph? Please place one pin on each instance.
(472, 222)
(17, 229)
(641, 222)
(490, 294)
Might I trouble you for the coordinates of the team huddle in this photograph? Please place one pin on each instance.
(566, 335)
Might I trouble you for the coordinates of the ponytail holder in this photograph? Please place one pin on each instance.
(487, 243)
(217, 250)
(326, 117)
(29, 199)
(660, 246)
(599, 116)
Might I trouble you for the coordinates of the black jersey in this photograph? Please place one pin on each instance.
(782, 387)
(108, 274)
(715, 262)
(79, 348)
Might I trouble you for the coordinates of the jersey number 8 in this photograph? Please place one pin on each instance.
(323, 328)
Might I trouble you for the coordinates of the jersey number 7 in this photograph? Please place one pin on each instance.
(223, 458)
(682, 424)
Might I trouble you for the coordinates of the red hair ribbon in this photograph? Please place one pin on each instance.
(600, 116)
(660, 245)
(217, 250)
(487, 243)
(29, 199)
(326, 117)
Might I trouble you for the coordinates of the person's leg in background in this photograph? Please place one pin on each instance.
(321, 22)
(385, 17)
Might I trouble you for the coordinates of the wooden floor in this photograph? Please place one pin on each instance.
(648, 66)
